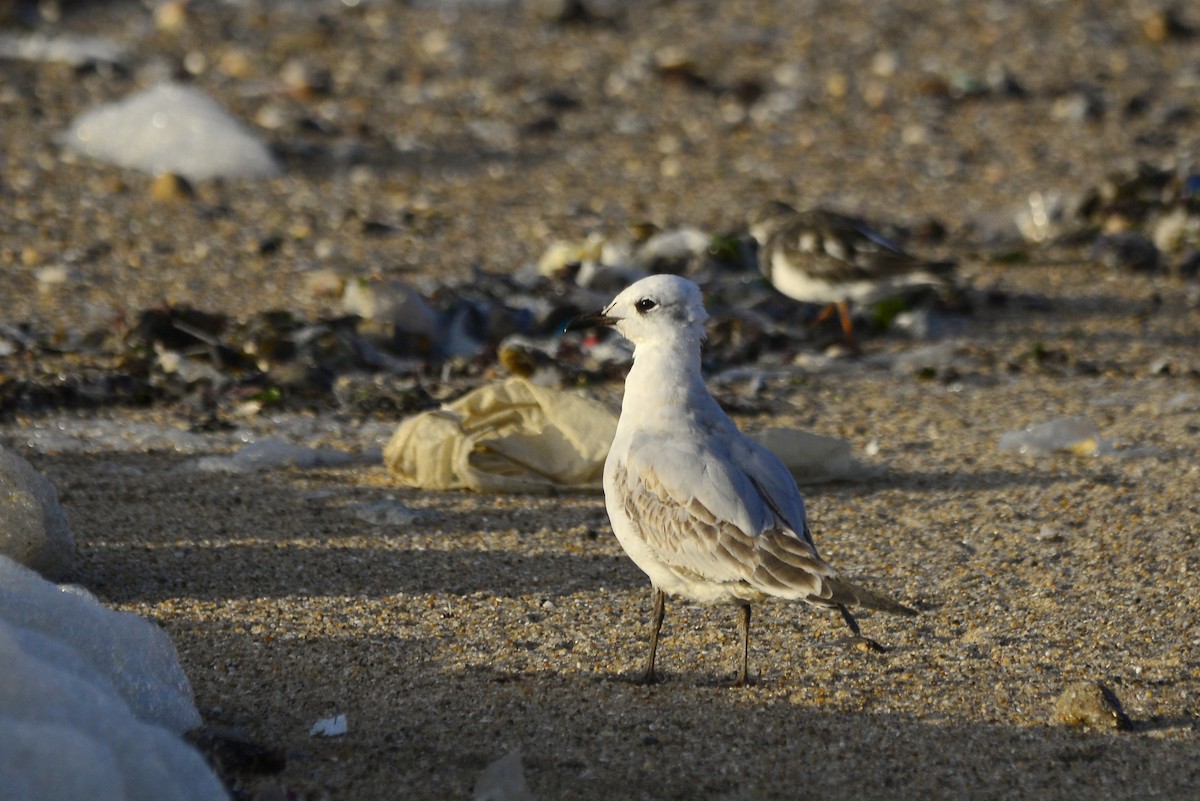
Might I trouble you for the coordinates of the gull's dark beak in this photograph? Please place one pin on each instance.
(592, 320)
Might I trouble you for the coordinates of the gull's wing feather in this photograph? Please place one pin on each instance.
(705, 516)
(774, 483)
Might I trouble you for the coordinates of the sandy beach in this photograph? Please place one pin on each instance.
(492, 623)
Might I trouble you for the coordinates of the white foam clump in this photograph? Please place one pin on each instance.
(92, 701)
(171, 128)
(33, 527)
(271, 453)
(65, 48)
(68, 435)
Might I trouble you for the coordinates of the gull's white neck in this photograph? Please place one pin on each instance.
(665, 373)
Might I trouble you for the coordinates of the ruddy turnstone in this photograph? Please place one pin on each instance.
(820, 256)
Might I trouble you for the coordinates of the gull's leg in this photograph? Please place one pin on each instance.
(656, 620)
(743, 678)
(850, 621)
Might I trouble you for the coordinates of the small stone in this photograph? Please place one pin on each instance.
(195, 62)
(1189, 265)
(235, 63)
(168, 187)
(271, 117)
(303, 79)
(324, 282)
(1127, 251)
(837, 84)
(1078, 107)
(1090, 705)
(558, 11)
(1163, 25)
(1170, 230)
(171, 17)
(885, 63)
(53, 275)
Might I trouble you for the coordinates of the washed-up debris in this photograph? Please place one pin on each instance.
(1076, 435)
(515, 436)
(272, 454)
(672, 251)
(397, 338)
(608, 265)
(33, 527)
(944, 361)
(1126, 251)
(171, 128)
(510, 436)
(77, 51)
(561, 255)
(1090, 705)
(335, 726)
(391, 303)
(1044, 215)
(815, 458)
(503, 780)
(534, 360)
(384, 513)
(1143, 219)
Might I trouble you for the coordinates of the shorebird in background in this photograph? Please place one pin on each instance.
(823, 257)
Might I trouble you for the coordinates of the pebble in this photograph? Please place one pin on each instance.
(171, 16)
(168, 187)
(1127, 252)
(1090, 705)
(54, 275)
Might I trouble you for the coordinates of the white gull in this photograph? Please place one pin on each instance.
(707, 513)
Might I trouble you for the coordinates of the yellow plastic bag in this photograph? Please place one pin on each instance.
(510, 436)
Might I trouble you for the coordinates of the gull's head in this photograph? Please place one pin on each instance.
(661, 308)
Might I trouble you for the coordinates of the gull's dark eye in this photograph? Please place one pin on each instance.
(644, 305)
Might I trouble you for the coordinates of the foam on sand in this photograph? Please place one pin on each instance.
(171, 128)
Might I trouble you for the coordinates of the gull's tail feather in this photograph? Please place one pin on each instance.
(844, 592)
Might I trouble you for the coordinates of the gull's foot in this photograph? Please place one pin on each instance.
(646, 679)
(862, 643)
(745, 681)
